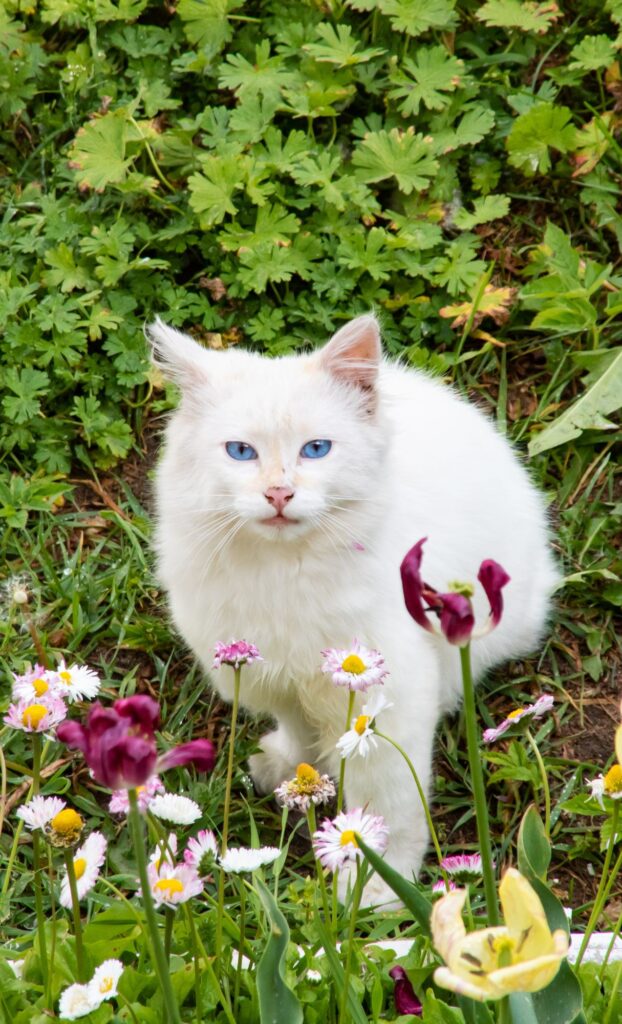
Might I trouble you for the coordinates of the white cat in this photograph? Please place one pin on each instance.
(289, 492)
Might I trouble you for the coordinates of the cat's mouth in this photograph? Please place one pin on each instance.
(280, 520)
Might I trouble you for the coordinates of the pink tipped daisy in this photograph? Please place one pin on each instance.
(201, 851)
(35, 683)
(441, 888)
(335, 841)
(41, 715)
(357, 667)
(39, 812)
(76, 682)
(519, 719)
(463, 866)
(120, 802)
(87, 861)
(236, 653)
(173, 884)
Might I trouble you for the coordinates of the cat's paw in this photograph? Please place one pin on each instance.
(271, 766)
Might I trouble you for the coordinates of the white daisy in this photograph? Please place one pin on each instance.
(358, 667)
(87, 861)
(201, 851)
(76, 682)
(35, 683)
(360, 737)
(103, 984)
(75, 1002)
(180, 810)
(240, 858)
(17, 966)
(39, 811)
(173, 884)
(597, 789)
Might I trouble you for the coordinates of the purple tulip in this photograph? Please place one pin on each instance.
(406, 1001)
(454, 609)
(119, 744)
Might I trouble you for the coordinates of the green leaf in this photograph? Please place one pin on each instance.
(474, 126)
(533, 847)
(424, 80)
(561, 1001)
(592, 53)
(266, 75)
(545, 127)
(589, 412)
(403, 155)
(527, 17)
(277, 1002)
(410, 895)
(27, 385)
(64, 273)
(206, 22)
(211, 192)
(484, 210)
(98, 151)
(414, 17)
(340, 47)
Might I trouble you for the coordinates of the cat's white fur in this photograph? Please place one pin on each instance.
(409, 459)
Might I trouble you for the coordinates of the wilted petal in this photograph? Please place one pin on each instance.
(200, 753)
(493, 578)
(405, 998)
(413, 585)
(457, 619)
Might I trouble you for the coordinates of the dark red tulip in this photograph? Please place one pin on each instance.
(406, 1001)
(200, 753)
(493, 578)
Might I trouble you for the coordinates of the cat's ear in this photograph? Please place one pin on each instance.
(353, 354)
(179, 357)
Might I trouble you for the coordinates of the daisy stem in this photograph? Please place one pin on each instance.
(356, 902)
(36, 865)
(545, 782)
(209, 968)
(320, 870)
(479, 791)
(424, 802)
(237, 673)
(342, 766)
(169, 918)
(159, 959)
(238, 968)
(604, 885)
(75, 911)
(18, 831)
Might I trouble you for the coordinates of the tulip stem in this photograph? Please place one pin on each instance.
(505, 1015)
(545, 783)
(75, 910)
(237, 673)
(36, 866)
(605, 883)
(479, 791)
(159, 958)
(342, 766)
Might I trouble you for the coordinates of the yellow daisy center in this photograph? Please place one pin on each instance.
(353, 664)
(105, 985)
(348, 838)
(66, 821)
(613, 779)
(516, 713)
(169, 886)
(307, 773)
(361, 724)
(66, 677)
(40, 687)
(34, 715)
(79, 866)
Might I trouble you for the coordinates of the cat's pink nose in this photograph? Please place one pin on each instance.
(278, 497)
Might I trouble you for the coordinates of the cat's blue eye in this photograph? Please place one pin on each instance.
(316, 449)
(241, 451)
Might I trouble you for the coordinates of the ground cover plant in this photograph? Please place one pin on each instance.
(258, 173)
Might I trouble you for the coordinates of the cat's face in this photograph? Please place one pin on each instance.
(283, 448)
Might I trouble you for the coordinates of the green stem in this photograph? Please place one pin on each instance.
(210, 970)
(20, 825)
(342, 766)
(159, 959)
(603, 886)
(75, 911)
(320, 870)
(504, 1016)
(613, 994)
(36, 864)
(545, 783)
(424, 802)
(238, 968)
(356, 902)
(237, 673)
(479, 791)
(169, 918)
(195, 957)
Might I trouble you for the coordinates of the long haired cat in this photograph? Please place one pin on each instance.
(289, 491)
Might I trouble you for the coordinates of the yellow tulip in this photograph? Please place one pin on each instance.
(521, 956)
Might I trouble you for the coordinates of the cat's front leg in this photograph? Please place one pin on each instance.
(281, 751)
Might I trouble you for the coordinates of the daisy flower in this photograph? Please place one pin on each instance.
(103, 984)
(541, 707)
(65, 828)
(442, 887)
(335, 842)
(39, 811)
(180, 810)
(358, 667)
(87, 861)
(597, 789)
(36, 716)
(360, 737)
(240, 858)
(201, 851)
(306, 788)
(165, 852)
(463, 866)
(236, 653)
(607, 785)
(75, 1002)
(76, 682)
(17, 966)
(35, 683)
(120, 802)
(173, 884)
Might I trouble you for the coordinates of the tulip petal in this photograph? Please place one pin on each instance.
(141, 710)
(478, 989)
(493, 578)
(413, 585)
(527, 977)
(200, 753)
(524, 915)
(446, 923)
(457, 619)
